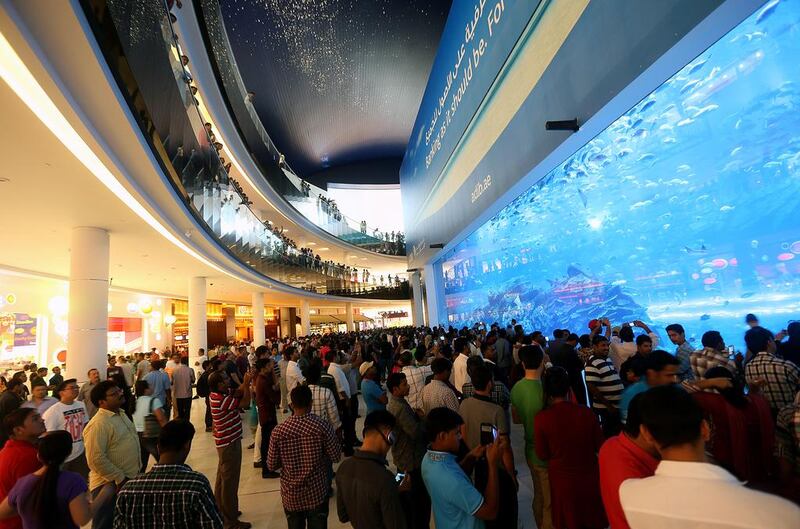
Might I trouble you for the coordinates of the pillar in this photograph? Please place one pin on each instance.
(434, 295)
(87, 340)
(348, 307)
(259, 335)
(417, 312)
(305, 318)
(229, 313)
(198, 332)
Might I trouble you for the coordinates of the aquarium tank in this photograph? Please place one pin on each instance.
(685, 210)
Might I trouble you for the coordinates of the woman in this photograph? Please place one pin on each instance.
(50, 498)
(148, 418)
(568, 436)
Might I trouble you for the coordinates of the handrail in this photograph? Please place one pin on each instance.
(161, 97)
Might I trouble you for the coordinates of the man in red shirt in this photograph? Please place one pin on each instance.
(227, 427)
(268, 397)
(625, 456)
(18, 456)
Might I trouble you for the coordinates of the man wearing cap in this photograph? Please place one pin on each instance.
(374, 396)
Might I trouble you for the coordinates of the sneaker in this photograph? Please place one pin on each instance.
(258, 464)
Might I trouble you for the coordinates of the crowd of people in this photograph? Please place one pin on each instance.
(617, 432)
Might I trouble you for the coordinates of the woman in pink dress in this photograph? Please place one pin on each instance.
(568, 437)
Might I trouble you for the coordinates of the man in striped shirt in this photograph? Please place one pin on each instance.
(416, 379)
(227, 426)
(605, 387)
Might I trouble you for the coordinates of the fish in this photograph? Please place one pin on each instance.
(701, 250)
(677, 182)
(696, 66)
(736, 150)
(689, 85)
(705, 317)
(646, 156)
(726, 209)
(748, 295)
(684, 167)
(707, 108)
(647, 105)
(624, 152)
(583, 197)
(641, 204)
(767, 11)
(684, 122)
(669, 139)
(666, 226)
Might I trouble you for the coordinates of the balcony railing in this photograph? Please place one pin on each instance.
(310, 201)
(140, 46)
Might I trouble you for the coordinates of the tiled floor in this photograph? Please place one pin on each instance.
(260, 499)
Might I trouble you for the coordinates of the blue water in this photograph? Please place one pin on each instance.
(686, 209)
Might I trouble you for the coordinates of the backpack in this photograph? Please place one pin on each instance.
(202, 386)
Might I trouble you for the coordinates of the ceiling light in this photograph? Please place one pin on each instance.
(323, 249)
(311, 244)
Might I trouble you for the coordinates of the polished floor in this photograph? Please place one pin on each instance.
(260, 499)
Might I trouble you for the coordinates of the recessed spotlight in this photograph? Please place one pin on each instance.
(323, 249)
(311, 244)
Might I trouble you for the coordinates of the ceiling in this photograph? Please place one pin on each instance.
(336, 82)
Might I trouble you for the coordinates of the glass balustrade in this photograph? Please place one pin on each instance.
(141, 48)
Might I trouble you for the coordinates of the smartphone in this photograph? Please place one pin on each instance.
(632, 324)
(399, 477)
(731, 352)
(488, 433)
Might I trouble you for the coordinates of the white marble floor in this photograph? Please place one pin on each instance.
(260, 499)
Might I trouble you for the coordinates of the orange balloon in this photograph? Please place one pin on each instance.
(62, 356)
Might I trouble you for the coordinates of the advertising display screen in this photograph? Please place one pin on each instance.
(683, 210)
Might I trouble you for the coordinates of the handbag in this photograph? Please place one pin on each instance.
(151, 426)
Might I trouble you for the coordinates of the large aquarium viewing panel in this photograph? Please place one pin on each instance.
(685, 209)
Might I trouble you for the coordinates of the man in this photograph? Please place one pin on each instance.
(374, 397)
(677, 335)
(499, 392)
(416, 376)
(198, 362)
(504, 359)
(171, 494)
(159, 382)
(267, 400)
(408, 451)
(55, 380)
(527, 399)
(712, 354)
(203, 390)
(85, 394)
(778, 379)
(182, 380)
(323, 403)
(700, 494)
(460, 374)
(227, 426)
(116, 374)
(457, 504)
(367, 493)
(39, 374)
(567, 357)
(144, 366)
(660, 369)
(752, 321)
(343, 402)
(242, 362)
(605, 387)
(625, 456)
(112, 447)
(303, 447)
(70, 415)
(623, 347)
(23, 378)
(18, 457)
(11, 399)
(127, 370)
(39, 398)
(790, 349)
(438, 392)
(293, 374)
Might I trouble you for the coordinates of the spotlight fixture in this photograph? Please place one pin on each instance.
(567, 124)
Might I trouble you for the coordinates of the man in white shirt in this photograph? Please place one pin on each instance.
(293, 374)
(623, 346)
(460, 375)
(416, 379)
(343, 401)
(198, 363)
(70, 415)
(687, 492)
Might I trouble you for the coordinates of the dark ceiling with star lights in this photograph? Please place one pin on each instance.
(336, 82)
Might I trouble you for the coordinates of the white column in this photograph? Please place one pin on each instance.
(434, 295)
(305, 317)
(198, 333)
(348, 307)
(417, 312)
(259, 336)
(88, 302)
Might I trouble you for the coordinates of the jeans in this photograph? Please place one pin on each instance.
(316, 518)
(104, 517)
(208, 413)
(226, 488)
(148, 447)
(184, 408)
(266, 433)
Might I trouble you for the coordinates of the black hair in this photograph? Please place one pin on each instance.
(313, 372)
(214, 380)
(598, 338)
(531, 356)
(440, 365)
(711, 339)
(555, 382)
(441, 420)
(419, 353)
(635, 364)
(734, 394)
(750, 317)
(405, 358)
(671, 416)
(626, 333)
(140, 387)
(658, 360)
(54, 448)
(633, 421)
(676, 327)
(13, 383)
(481, 376)
(572, 337)
(394, 380)
(16, 419)
(99, 391)
(757, 339)
(61, 387)
(261, 363)
(460, 344)
(261, 349)
(473, 362)
(377, 419)
(643, 338)
(205, 364)
(174, 435)
(301, 397)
